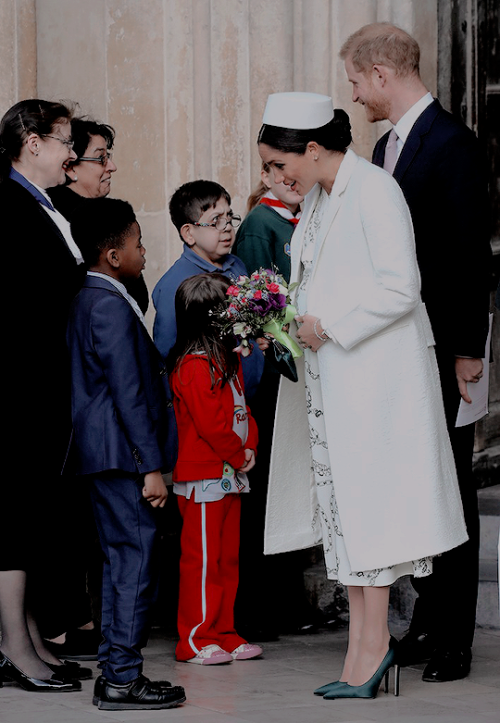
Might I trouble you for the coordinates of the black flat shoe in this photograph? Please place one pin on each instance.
(9, 671)
(447, 665)
(140, 694)
(69, 671)
(100, 682)
(79, 645)
(415, 648)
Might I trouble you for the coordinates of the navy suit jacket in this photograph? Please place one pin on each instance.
(442, 173)
(122, 411)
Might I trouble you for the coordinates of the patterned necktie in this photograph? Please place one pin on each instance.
(391, 152)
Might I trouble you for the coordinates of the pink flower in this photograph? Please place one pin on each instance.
(232, 291)
(273, 288)
(258, 294)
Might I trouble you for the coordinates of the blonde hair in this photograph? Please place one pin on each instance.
(385, 44)
(258, 191)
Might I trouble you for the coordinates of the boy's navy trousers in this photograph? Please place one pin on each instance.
(127, 529)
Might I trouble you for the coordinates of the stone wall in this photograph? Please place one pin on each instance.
(184, 82)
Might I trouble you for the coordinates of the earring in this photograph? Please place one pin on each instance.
(75, 179)
(315, 158)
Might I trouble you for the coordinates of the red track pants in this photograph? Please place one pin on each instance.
(210, 542)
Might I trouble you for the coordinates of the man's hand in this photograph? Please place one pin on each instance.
(467, 371)
(154, 490)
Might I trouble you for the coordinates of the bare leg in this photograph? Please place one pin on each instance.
(356, 620)
(375, 636)
(16, 641)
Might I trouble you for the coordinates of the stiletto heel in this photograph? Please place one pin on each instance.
(397, 670)
(370, 688)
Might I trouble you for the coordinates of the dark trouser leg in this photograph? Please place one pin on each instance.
(126, 524)
(446, 604)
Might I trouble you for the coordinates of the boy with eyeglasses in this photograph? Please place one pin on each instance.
(201, 212)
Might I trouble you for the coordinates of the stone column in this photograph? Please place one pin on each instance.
(17, 52)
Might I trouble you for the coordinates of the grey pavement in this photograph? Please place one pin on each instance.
(278, 689)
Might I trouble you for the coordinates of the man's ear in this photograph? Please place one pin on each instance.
(112, 258)
(186, 235)
(380, 75)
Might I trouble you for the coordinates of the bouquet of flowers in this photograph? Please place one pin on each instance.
(257, 306)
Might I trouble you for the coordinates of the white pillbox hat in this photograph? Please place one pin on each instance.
(300, 111)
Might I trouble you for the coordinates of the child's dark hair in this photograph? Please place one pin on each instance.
(197, 330)
(192, 199)
(334, 136)
(99, 224)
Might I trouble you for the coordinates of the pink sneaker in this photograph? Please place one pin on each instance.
(211, 655)
(246, 651)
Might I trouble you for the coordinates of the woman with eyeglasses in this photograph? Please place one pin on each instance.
(89, 176)
(46, 273)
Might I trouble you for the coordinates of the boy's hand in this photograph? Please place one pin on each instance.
(154, 489)
(249, 461)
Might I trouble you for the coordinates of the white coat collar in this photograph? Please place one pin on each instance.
(344, 174)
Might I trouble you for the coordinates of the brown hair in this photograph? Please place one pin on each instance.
(258, 191)
(385, 44)
(198, 330)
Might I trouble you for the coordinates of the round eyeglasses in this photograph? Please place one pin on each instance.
(220, 223)
(66, 142)
(100, 159)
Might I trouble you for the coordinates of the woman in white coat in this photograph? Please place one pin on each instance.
(361, 456)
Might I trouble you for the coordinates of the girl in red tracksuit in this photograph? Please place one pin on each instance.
(217, 445)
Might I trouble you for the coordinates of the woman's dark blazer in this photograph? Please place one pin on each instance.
(67, 201)
(40, 279)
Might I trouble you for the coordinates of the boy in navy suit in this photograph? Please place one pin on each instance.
(122, 440)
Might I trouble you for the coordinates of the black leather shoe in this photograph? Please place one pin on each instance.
(9, 671)
(140, 694)
(415, 648)
(70, 671)
(100, 682)
(447, 665)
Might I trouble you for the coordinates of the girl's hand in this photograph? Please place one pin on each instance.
(306, 336)
(154, 490)
(249, 461)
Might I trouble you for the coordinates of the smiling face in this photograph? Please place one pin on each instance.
(93, 178)
(366, 92)
(288, 196)
(52, 156)
(298, 172)
(206, 241)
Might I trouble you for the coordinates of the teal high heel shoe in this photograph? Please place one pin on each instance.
(370, 688)
(329, 687)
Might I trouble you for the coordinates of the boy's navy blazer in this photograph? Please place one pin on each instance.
(443, 174)
(122, 412)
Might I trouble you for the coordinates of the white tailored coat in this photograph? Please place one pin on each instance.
(392, 464)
